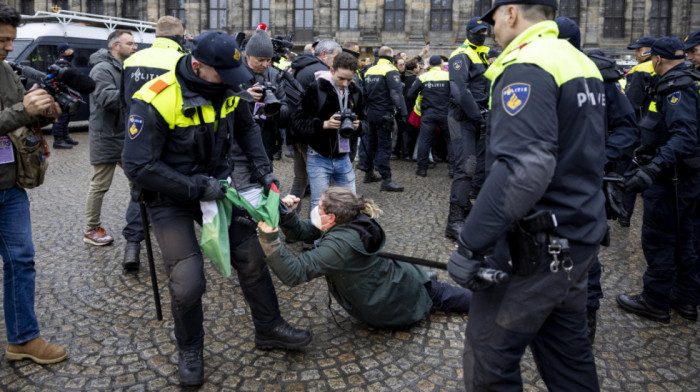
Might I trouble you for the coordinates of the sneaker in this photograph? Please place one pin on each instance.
(38, 350)
(98, 237)
(191, 367)
(72, 141)
(283, 336)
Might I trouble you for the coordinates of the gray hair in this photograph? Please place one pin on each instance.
(114, 37)
(327, 45)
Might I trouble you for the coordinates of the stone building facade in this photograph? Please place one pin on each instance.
(403, 24)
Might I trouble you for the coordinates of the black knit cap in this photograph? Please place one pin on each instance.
(488, 16)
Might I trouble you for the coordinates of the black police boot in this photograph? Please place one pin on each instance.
(455, 220)
(191, 367)
(61, 144)
(421, 172)
(687, 311)
(282, 336)
(637, 305)
(591, 313)
(371, 176)
(70, 140)
(390, 186)
(132, 257)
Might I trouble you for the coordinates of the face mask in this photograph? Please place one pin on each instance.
(69, 58)
(316, 218)
(476, 39)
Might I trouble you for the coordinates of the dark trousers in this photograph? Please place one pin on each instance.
(133, 231)
(59, 129)
(173, 226)
(480, 169)
(301, 177)
(464, 137)
(670, 274)
(595, 291)
(428, 123)
(448, 298)
(410, 138)
(378, 143)
(545, 311)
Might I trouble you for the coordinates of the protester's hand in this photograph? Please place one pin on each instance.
(642, 178)
(212, 189)
(269, 238)
(290, 201)
(332, 123)
(37, 102)
(463, 267)
(424, 51)
(256, 92)
(267, 180)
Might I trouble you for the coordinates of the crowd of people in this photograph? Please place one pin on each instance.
(542, 144)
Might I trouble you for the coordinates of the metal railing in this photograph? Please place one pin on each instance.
(109, 22)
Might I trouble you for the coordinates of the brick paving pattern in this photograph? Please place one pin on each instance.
(106, 318)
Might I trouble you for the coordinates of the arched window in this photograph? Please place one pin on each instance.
(259, 12)
(441, 15)
(571, 9)
(614, 24)
(660, 18)
(394, 15)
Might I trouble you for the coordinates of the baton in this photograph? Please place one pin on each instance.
(613, 179)
(486, 274)
(151, 265)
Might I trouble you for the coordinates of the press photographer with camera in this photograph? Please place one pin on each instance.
(19, 109)
(331, 114)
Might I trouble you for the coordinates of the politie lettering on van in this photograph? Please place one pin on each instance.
(40, 34)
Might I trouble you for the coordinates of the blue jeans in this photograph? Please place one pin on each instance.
(17, 251)
(326, 171)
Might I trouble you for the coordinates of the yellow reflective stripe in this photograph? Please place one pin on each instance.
(652, 106)
(434, 75)
(646, 66)
(156, 57)
(229, 106)
(383, 67)
(474, 55)
(416, 107)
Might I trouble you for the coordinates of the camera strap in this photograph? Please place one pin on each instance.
(342, 100)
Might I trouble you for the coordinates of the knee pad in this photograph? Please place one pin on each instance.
(187, 284)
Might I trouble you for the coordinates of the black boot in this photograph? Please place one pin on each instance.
(191, 367)
(371, 176)
(591, 325)
(455, 220)
(282, 336)
(132, 257)
(61, 143)
(70, 140)
(390, 186)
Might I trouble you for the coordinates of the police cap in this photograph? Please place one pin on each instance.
(475, 24)
(435, 60)
(63, 47)
(219, 50)
(668, 48)
(691, 40)
(644, 42)
(488, 16)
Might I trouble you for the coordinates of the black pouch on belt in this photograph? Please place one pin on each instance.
(527, 241)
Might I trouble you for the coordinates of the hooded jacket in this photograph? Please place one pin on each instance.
(378, 291)
(304, 68)
(107, 110)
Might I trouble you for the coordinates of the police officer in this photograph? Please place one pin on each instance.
(141, 67)
(547, 103)
(434, 86)
(640, 77)
(258, 59)
(384, 93)
(669, 175)
(469, 91)
(692, 48)
(622, 136)
(180, 143)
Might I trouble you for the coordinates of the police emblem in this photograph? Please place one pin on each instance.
(236, 55)
(674, 98)
(458, 64)
(514, 97)
(397, 79)
(135, 126)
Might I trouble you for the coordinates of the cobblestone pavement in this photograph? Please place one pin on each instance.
(106, 318)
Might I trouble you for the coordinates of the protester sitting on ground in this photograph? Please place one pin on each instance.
(379, 291)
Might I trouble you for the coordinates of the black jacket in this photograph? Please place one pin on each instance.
(308, 121)
(304, 68)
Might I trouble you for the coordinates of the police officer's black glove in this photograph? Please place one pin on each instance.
(212, 189)
(642, 178)
(463, 268)
(267, 180)
(614, 190)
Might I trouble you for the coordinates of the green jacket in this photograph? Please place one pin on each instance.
(378, 291)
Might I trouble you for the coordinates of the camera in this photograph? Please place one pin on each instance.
(346, 129)
(59, 83)
(272, 104)
(281, 45)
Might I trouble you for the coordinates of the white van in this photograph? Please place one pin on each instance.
(39, 35)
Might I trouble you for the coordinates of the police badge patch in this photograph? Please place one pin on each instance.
(397, 79)
(514, 97)
(674, 97)
(135, 126)
(458, 64)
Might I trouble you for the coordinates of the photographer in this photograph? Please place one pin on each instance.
(59, 130)
(18, 109)
(270, 107)
(380, 292)
(330, 115)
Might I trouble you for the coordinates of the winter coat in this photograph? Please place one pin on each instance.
(304, 68)
(107, 111)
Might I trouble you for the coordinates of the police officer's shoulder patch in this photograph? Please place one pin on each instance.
(458, 64)
(397, 79)
(515, 97)
(674, 97)
(135, 126)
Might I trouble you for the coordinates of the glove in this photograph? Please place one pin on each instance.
(267, 180)
(463, 267)
(213, 189)
(642, 178)
(614, 192)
